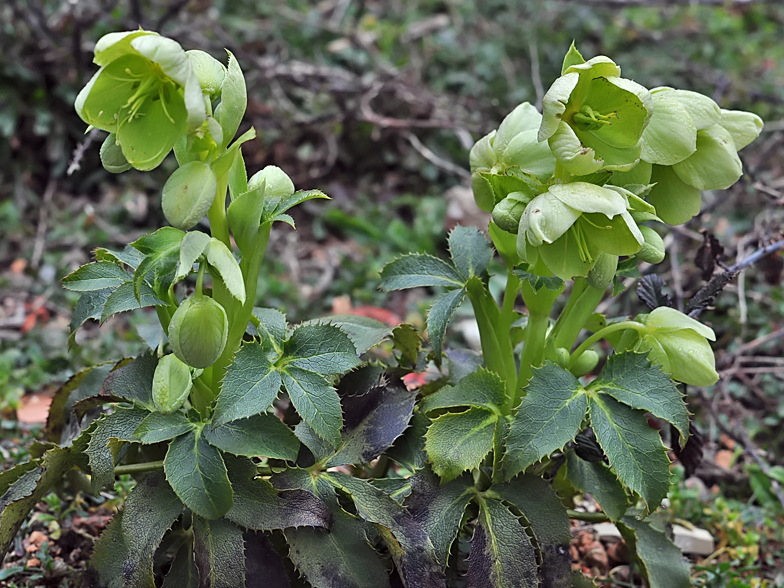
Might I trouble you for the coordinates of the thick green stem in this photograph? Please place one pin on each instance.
(539, 304)
(202, 395)
(138, 468)
(579, 286)
(219, 226)
(573, 321)
(602, 333)
(588, 517)
(510, 295)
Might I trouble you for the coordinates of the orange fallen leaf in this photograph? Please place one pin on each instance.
(33, 409)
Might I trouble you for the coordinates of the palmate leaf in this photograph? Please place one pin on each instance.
(630, 378)
(260, 435)
(122, 299)
(321, 348)
(96, 276)
(438, 318)
(456, 442)
(597, 480)
(157, 427)
(419, 269)
(480, 389)
(219, 552)
(316, 402)
(470, 250)
(90, 306)
(259, 506)
(196, 472)
(549, 523)
(117, 427)
(250, 386)
(272, 328)
(123, 555)
(634, 450)
(660, 560)
(161, 252)
(439, 508)
(548, 417)
(501, 552)
(133, 380)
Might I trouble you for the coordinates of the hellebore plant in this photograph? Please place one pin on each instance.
(274, 455)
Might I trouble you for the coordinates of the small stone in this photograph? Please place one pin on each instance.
(694, 541)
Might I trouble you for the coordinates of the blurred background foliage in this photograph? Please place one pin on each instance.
(377, 103)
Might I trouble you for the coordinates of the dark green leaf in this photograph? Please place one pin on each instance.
(196, 471)
(470, 250)
(409, 449)
(482, 389)
(183, 572)
(630, 378)
(372, 421)
(501, 552)
(552, 283)
(364, 332)
(219, 552)
(272, 329)
(440, 508)
(260, 435)
(661, 561)
(462, 362)
(259, 506)
(548, 417)
(438, 318)
(157, 427)
(581, 581)
(598, 481)
(635, 451)
(250, 386)
(419, 269)
(321, 348)
(130, 256)
(133, 381)
(546, 515)
(316, 402)
(95, 276)
(123, 299)
(118, 426)
(11, 476)
(407, 341)
(161, 255)
(318, 447)
(264, 567)
(90, 306)
(456, 442)
(396, 488)
(109, 555)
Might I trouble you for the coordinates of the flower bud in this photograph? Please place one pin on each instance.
(653, 249)
(198, 331)
(112, 156)
(562, 357)
(586, 362)
(277, 183)
(171, 384)
(209, 71)
(188, 194)
(507, 213)
(603, 271)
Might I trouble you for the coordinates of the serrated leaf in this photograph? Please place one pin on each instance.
(264, 567)
(320, 449)
(549, 523)
(157, 427)
(275, 207)
(364, 332)
(650, 290)
(553, 284)
(250, 386)
(373, 421)
(316, 402)
(95, 276)
(191, 248)
(10, 476)
(90, 306)
(634, 450)
(234, 100)
(133, 380)
(130, 256)
(597, 480)
(470, 250)
(396, 488)
(183, 572)
(456, 442)
(220, 257)
(481, 389)
(341, 558)
(219, 552)
(323, 349)
(161, 252)
(438, 318)
(461, 363)
(409, 449)
(123, 554)
(501, 553)
(411, 548)
(260, 435)
(549, 416)
(630, 378)
(123, 299)
(259, 506)
(660, 560)
(196, 472)
(85, 383)
(440, 507)
(28, 489)
(417, 270)
(119, 426)
(407, 341)
(273, 328)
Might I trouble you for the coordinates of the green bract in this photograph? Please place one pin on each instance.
(571, 224)
(171, 384)
(198, 331)
(594, 119)
(513, 145)
(146, 92)
(680, 344)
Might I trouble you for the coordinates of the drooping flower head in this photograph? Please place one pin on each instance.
(146, 93)
(592, 118)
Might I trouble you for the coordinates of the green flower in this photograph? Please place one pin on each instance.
(145, 92)
(514, 146)
(593, 118)
(568, 227)
(693, 146)
(677, 342)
